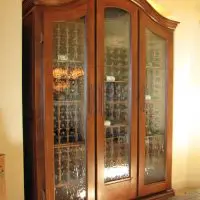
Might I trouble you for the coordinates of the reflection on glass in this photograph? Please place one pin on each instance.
(155, 95)
(117, 94)
(69, 83)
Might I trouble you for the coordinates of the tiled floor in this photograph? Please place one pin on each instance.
(188, 195)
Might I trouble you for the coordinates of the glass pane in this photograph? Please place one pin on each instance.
(155, 95)
(69, 84)
(117, 83)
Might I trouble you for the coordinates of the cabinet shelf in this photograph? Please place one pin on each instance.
(116, 102)
(155, 135)
(117, 66)
(124, 81)
(75, 144)
(116, 125)
(158, 68)
(66, 102)
(68, 61)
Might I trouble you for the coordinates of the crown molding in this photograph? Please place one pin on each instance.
(143, 4)
(155, 15)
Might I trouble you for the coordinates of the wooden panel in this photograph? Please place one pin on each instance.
(33, 106)
(28, 108)
(146, 22)
(2, 178)
(39, 158)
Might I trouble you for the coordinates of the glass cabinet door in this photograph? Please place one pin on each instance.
(116, 101)
(155, 107)
(70, 105)
(117, 97)
(69, 91)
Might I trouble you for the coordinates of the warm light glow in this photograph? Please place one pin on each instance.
(82, 194)
(112, 172)
(159, 8)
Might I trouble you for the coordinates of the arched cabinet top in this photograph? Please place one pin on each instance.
(154, 15)
(142, 4)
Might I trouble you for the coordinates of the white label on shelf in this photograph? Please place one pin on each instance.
(62, 57)
(110, 78)
(147, 97)
(107, 123)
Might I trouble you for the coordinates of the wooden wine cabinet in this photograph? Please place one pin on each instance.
(97, 100)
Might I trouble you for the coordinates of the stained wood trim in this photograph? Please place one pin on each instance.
(90, 44)
(38, 102)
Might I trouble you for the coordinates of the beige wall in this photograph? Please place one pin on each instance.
(11, 96)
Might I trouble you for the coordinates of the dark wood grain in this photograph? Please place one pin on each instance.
(39, 102)
(28, 109)
(33, 107)
(48, 107)
(146, 22)
(27, 5)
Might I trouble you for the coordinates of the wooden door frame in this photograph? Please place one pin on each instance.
(70, 12)
(147, 22)
(123, 189)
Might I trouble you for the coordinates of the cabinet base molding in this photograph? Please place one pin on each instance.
(165, 195)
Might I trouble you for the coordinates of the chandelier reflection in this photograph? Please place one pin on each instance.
(63, 76)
